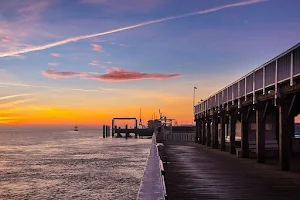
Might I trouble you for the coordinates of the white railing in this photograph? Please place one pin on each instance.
(152, 185)
(183, 137)
(283, 68)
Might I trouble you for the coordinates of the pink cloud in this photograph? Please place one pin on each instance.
(55, 55)
(53, 64)
(118, 74)
(113, 75)
(109, 62)
(97, 47)
(94, 62)
(5, 39)
(56, 74)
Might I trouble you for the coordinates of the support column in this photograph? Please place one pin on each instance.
(197, 131)
(232, 122)
(222, 122)
(208, 133)
(284, 137)
(203, 132)
(200, 131)
(244, 136)
(215, 130)
(260, 135)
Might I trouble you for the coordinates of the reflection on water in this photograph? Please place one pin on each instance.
(70, 165)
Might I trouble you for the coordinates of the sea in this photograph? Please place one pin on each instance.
(65, 164)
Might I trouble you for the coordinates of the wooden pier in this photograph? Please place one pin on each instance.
(256, 113)
(199, 172)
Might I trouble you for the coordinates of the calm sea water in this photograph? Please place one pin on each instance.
(52, 164)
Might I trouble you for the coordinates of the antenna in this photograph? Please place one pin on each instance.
(141, 124)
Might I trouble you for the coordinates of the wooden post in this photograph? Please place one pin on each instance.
(208, 132)
(215, 131)
(119, 132)
(197, 131)
(284, 137)
(103, 129)
(222, 122)
(200, 131)
(244, 136)
(106, 131)
(260, 135)
(126, 131)
(203, 132)
(112, 128)
(232, 123)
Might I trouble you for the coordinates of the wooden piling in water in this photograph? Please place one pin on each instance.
(103, 129)
(126, 130)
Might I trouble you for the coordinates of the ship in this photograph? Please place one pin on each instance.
(76, 128)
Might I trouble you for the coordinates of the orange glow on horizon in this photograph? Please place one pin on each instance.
(40, 115)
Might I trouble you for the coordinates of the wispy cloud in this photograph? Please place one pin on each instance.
(25, 85)
(94, 62)
(87, 90)
(123, 45)
(50, 45)
(118, 74)
(128, 5)
(55, 55)
(53, 64)
(97, 47)
(25, 23)
(13, 96)
(18, 56)
(56, 74)
(17, 102)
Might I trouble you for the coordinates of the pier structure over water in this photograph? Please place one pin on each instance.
(255, 114)
(127, 131)
(137, 132)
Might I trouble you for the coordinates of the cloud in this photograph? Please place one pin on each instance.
(13, 96)
(62, 42)
(13, 103)
(113, 75)
(22, 21)
(128, 5)
(97, 47)
(53, 64)
(87, 90)
(5, 39)
(18, 56)
(55, 55)
(123, 45)
(118, 74)
(56, 74)
(94, 62)
(25, 85)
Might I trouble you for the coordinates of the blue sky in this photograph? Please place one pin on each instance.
(152, 66)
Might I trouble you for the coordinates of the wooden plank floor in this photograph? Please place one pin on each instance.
(198, 172)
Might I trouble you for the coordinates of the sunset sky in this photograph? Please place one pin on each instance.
(66, 62)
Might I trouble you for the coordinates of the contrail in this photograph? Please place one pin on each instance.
(54, 44)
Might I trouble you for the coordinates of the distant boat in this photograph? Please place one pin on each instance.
(76, 128)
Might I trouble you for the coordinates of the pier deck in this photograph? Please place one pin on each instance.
(198, 172)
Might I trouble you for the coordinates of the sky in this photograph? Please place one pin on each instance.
(84, 62)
